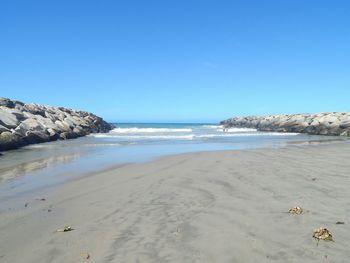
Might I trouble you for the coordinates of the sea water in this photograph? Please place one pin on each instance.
(58, 161)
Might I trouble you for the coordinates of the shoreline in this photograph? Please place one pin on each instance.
(204, 206)
(34, 165)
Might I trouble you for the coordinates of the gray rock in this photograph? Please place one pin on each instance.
(9, 141)
(62, 126)
(7, 103)
(79, 130)
(3, 129)
(45, 122)
(36, 137)
(31, 125)
(7, 119)
(18, 114)
(34, 109)
(22, 124)
(68, 135)
(70, 122)
(331, 123)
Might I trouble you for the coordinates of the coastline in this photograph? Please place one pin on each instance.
(324, 123)
(220, 206)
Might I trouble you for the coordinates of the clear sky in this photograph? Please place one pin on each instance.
(177, 60)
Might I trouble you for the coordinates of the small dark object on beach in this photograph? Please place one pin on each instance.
(85, 255)
(322, 234)
(65, 229)
(49, 210)
(340, 223)
(41, 199)
(313, 179)
(26, 204)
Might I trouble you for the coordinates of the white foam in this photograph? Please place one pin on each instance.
(213, 126)
(147, 130)
(103, 144)
(237, 130)
(147, 137)
(189, 136)
(246, 134)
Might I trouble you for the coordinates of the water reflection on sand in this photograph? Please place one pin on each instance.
(18, 169)
(72, 158)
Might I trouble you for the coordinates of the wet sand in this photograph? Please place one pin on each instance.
(228, 206)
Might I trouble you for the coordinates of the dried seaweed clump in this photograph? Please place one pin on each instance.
(322, 234)
(296, 210)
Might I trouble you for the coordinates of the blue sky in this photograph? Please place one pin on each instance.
(177, 60)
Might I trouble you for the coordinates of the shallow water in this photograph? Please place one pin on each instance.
(51, 163)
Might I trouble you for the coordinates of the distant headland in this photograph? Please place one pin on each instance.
(22, 124)
(328, 123)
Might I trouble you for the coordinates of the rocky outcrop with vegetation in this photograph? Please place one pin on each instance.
(22, 124)
(328, 123)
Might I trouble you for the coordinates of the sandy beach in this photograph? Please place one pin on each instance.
(224, 206)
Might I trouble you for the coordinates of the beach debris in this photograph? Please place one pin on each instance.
(322, 234)
(297, 210)
(41, 199)
(85, 255)
(26, 204)
(176, 232)
(340, 223)
(49, 210)
(314, 179)
(65, 229)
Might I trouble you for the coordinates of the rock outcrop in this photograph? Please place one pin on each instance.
(329, 123)
(22, 124)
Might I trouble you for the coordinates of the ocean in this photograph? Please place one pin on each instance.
(50, 163)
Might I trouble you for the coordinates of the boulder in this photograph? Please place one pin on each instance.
(45, 122)
(34, 109)
(68, 135)
(64, 127)
(36, 137)
(7, 119)
(9, 141)
(3, 129)
(7, 103)
(18, 114)
(22, 124)
(53, 134)
(79, 130)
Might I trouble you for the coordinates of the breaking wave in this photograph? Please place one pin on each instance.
(148, 130)
(189, 136)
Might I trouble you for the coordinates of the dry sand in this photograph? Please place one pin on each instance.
(204, 207)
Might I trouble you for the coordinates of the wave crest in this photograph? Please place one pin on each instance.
(148, 130)
(189, 136)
